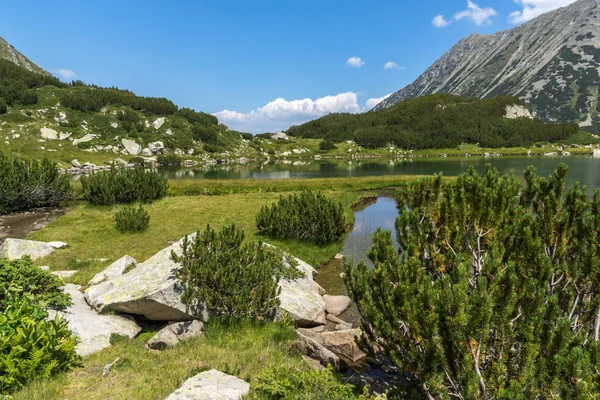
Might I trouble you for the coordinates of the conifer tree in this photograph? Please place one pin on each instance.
(493, 293)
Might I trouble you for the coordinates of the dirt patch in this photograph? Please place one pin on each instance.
(19, 225)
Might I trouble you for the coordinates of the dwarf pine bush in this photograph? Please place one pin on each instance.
(132, 219)
(29, 184)
(305, 216)
(124, 186)
(224, 276)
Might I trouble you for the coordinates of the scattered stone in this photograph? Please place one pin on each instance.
(87, 138)
(169, 132)
(280, 136)
(113, 270)
(93, 330)
(339, 256)
(174, 333)
(311, 348)
(49, 134)
(156, 147)
(336, 304)
(45, 268)
(334, 319)
(147, 152)
(62, 118)
(108, 367)
(64, 135)
(114, 125)
(58, 245)
(75, 163)
(14, 249)
(131, 146)
(211, 385)
(64, 274)
(158, 123)
(341, 342)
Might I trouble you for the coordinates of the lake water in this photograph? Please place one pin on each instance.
(583, 169)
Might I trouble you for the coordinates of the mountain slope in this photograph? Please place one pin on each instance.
(8, 52)
(551, 62)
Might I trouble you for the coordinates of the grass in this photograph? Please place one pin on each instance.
(94, 242)
(242, 349)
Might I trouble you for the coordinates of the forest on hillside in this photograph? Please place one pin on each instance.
(436, 121)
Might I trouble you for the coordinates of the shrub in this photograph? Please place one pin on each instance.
(21, 277)
(224, 276)
(494, 291)
(286, 383)
(247, 136)
(29, 184)
(326, 145)
(132, 219)
(307, 216)
(169, 160)
(124, 186)
(32, 347)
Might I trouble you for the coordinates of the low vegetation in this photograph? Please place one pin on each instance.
(132, 219)
(223, 276)
(30, 184)
(124, 186)
(306, 216)
(495, 288)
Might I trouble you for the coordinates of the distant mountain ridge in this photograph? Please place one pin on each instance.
(552, 62)
(8, 52)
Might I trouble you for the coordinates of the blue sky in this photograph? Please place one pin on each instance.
(259, 65)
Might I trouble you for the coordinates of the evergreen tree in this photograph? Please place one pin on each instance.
(494, 291)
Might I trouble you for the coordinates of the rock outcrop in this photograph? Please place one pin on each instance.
(211, 385)
(92, 330)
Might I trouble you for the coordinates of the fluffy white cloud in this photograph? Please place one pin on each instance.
(533, 8)
(64, 73)
(392, 65)
(281, 114)
(477, 14)
(372, 102)
(355, 62)
(439, 21)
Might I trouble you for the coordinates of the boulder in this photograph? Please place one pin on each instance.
(114, 125)
(172, 334)
(341, 342)
(158, 122)
(211, 385)
(113, 270)
(131, 146)
(49, 134)
(147, 152)
(75, 164)
(14, 249)
(62, 118)
(64, 135)
(311, 348)
(280, 136)
(151, 289)
(92, 330)
(156, 147)
(87, 138)
(336, 304)
(300, 298)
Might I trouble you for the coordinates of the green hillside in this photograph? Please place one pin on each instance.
(438, 121)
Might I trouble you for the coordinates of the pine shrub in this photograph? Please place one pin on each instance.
(326, 145)
(132, 219)
(306, 216)
(224, 276)
(30, 184)
(124, 186)
(494, 292)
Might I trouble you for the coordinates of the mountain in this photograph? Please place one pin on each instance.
(551, 62)
(8, 52)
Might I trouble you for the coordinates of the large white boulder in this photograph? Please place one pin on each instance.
(211, 385)
(151, 289)
(92, 330)
(132, 147)
(158, 122)
(49, 134)
(113, 270)
(300, 298)
(280, 136)
(14, 249)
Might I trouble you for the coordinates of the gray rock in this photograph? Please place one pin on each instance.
(341, 342)
(49, 134)
(86, 138)
(64, 135)
(280, 136)
(147, 152)
(92, 330)
(113, 270)
(131, 146)
(211, 385)
(156, 147)
(151, 289)
(158, 122)
(301, 299)
(311, 348)
(336, 304)
(114, 125)
(172, 334)
(58, 245)
(14, 249)
(75, 163)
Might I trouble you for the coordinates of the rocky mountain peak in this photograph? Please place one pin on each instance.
(8, 52)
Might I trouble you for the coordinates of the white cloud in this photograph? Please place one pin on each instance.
(66, 74)
(477, 14)
(533, 8)
(392, 65)
(372, 102)
(355, 62)
(280, 114)
(439, 21)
